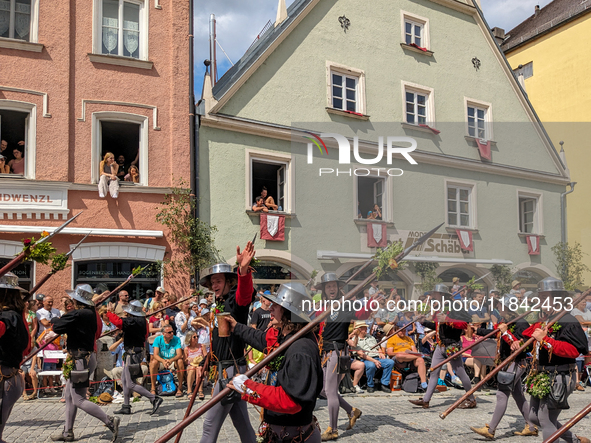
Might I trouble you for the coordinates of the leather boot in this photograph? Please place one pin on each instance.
(484, 431)
(355, 414)
(420, 402)
(527, 431)
(329, 434)
(125, 410)
(583, 439)
(468, 404)
(61, 437)
(156, 404)
(114, 427)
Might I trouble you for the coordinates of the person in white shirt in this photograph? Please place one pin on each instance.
(46, 313)
(373, 288)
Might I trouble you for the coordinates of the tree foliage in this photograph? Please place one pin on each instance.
(426, 270)
(192, 238)
(502, 276)
(569, 264)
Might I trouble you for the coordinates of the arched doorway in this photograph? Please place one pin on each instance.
(464, 275)
(529, 279)
(270, 274)
(386, 282)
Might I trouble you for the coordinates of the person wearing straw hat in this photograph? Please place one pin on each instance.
(135, 333)
(334, 335)
(82, 325)
(233, 292)
(449, 328)
(295, 380)
(511, 340)
(14, 344)
(556, 349)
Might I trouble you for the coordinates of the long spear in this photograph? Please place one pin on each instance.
(306, 329)
(569, 424)
(52, 272)
(23, 255)
(507, 361)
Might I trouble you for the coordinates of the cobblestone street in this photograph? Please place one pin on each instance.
(385, 417)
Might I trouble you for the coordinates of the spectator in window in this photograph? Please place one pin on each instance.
(46, 313)
(133, 175)
(268, 200)
(372, 359)
(259, 205)
(17, 164)
(4, 151)
(108, 177)
(4, 168)
(377, 212)
(168, 355)
(121, 167)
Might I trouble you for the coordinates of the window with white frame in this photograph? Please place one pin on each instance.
(417, 110)
(17, 133)
(459, 206)
(415, 30)
(18, 19)
(371, 192)
(344, 91)
(528, 215)
(121, 28)
(477, 121)
(271, 176)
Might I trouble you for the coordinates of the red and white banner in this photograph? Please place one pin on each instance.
(465, 238)
(484, 148)
(533, 245)
(377, 235)
(272, 227)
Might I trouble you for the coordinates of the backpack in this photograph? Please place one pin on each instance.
(411, 383)
(166, 384)
(105, 386)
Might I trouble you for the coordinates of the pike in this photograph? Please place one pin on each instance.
(23, 255)
(569, 424)
(51, 273)
(508, 360)
(305, 330)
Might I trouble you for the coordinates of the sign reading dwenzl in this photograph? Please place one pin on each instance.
(17, 198)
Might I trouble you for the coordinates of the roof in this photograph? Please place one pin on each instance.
(257, 49)
(548, 18)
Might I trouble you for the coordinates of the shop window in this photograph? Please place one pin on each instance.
(23, 272)
(104, 275)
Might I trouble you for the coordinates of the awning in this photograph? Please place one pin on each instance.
(331, 255)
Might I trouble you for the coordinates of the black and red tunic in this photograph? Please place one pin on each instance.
(15, 340)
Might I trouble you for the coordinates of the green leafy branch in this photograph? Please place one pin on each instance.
(59, 262)
(386, 259)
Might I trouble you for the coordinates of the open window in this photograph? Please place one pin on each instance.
(529, 213)
(371, 192)
(270, 176)
(14, 129)
(126, 137)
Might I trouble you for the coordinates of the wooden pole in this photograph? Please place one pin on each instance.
(569, 424)
(506, 361)
(305, 330)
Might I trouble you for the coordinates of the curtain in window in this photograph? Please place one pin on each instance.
(22, 19)
(110, 26)
(131, 29)
(4, 18)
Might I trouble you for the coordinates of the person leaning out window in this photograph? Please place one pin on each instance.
(108, 177)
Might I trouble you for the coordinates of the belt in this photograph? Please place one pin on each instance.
(561, 368)
(9, 376)
(302, 437)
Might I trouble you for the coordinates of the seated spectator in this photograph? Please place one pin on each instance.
(456, 285)
(4, 151)
(194, 359)
(467, 340)
(168, 356)
(268, 200)
(259, 205)
(120, 167)
(401, 347)
(4, 168)
(480, 315)
(370, 215)
(156, 325)
(133, 175)
(17, 165)
(373, 358)
(30, 370)
(49, 364)
(108, 181)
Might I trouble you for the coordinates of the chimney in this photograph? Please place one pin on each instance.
(499, 35)
(281, 13)
(537, 10)
(212, 50)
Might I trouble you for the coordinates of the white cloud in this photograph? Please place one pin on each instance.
(507, 14)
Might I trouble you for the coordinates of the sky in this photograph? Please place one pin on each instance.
(239, 22)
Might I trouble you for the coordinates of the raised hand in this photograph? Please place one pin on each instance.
(244, 258)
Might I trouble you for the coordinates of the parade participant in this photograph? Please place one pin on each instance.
(83, 327)
(295, 378)
(135, 334)
(334, 334)
(228, 352)
(448, 329)
(509, 381)
(14, 344)
(556, 350)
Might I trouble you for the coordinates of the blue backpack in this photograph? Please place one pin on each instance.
(166, 384)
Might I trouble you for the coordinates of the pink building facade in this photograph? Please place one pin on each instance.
(81, 78)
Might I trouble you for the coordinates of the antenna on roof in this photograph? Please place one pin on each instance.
(212, 50)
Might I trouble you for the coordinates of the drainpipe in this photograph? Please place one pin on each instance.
(563, 211)
(192, 127)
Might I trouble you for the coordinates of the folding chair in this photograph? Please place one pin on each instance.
(59, 355)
